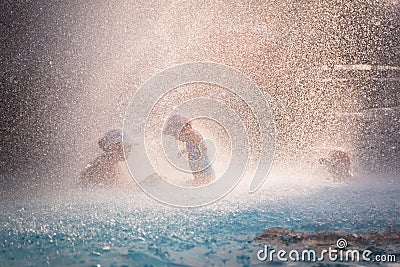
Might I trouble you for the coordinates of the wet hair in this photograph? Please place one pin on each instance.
(112, 137)
(175, 123)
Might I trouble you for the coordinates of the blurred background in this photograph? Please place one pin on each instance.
(69, 70)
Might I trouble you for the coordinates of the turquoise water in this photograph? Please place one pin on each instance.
(116, 228)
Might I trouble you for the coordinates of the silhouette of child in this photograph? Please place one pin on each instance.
(103, 170)
(181, 129)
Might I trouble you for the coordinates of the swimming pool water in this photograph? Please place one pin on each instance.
(116, 228)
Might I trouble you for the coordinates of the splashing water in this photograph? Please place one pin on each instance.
(120, 227)
(331, 74)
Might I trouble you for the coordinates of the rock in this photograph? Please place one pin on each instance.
(380, 240)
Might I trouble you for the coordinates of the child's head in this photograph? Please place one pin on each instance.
(112, 143)
(175, 124)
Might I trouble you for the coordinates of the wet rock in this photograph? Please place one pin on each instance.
(378, 240)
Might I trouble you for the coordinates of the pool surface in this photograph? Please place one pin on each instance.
(115, 227)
